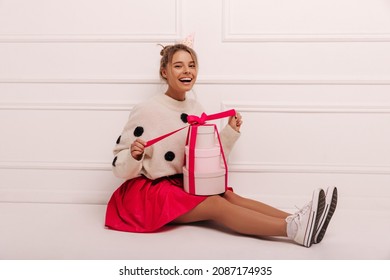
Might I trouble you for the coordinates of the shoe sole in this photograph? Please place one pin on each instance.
(319, 200)
(324, 222)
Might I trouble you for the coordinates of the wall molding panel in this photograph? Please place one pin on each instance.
(321, 168)
(67, 106)
(313, 108)
(38, 165)
(232, 33)
(235, 166)
(88, 38)
(242, 167)
(71, 36)
(204, 80)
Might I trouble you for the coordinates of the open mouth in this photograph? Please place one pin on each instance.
(185, 80)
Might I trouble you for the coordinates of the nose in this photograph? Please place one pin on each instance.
(187, 70)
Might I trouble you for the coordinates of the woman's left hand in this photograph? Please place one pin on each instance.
(236, 121)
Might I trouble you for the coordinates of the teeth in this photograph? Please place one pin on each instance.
(186, 80)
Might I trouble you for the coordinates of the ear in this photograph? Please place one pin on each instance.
(164, 73)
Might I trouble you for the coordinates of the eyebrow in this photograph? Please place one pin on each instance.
(177, 62)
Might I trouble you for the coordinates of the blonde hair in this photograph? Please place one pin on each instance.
(167, 54)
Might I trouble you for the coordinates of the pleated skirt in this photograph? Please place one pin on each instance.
(144, 205)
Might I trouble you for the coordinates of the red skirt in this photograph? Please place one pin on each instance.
(144, 205)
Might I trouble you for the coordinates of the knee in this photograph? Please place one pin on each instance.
(215, 200)
(215, 204)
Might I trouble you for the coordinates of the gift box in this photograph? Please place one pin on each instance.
(205, 171)
(204, 162)
(205, 136)
(206, 159)
(206, 183)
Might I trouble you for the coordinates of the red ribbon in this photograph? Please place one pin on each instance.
(192, 120)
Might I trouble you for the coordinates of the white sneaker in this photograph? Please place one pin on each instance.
(330, 207)
(302, 225)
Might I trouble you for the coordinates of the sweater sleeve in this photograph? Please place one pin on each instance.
(124, 165)
(228, 138)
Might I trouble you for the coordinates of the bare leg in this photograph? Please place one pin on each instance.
(255, 205)
(237, 218)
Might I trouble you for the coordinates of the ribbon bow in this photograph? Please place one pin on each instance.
(191, 119)
(204, 117)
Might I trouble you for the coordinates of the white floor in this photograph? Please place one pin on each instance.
(69, 231)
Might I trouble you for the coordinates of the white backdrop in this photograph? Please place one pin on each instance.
(311, 79)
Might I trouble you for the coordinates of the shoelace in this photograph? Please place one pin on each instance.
(300, 212)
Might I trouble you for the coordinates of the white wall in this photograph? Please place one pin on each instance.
(311, 78)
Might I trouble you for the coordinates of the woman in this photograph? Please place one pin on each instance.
(153, 195)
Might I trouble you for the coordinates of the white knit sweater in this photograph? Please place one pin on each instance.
(148, 120)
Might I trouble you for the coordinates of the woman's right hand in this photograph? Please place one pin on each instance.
(137, 148)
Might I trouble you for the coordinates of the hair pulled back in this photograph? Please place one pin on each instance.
(167, 54)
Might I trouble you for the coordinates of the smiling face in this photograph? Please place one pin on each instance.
(180, 74)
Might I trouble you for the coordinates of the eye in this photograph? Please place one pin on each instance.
(177, 66)
(192, 66)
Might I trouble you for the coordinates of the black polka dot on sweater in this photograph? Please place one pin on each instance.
(138, 131)
(119, 139)
(169, 156)
(114, 161)
(184, 117)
